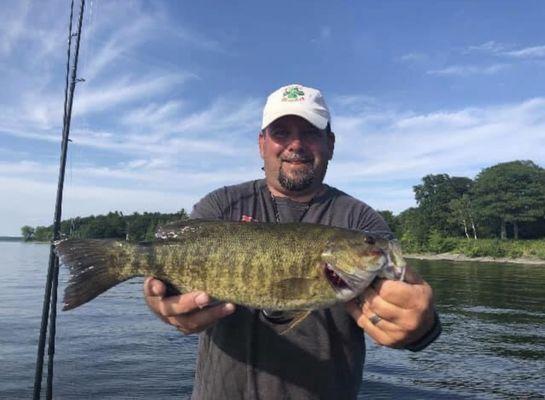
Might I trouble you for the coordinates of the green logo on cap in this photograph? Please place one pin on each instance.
(293, 94)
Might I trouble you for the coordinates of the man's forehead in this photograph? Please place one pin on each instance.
(291, 121)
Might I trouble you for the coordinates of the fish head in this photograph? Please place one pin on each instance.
(351, 263)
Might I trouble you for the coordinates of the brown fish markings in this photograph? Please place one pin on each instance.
(258, 265)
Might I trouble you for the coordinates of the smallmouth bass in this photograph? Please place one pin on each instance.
(294, 266)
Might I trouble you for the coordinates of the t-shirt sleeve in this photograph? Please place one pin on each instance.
(371, 221)
(209, 207)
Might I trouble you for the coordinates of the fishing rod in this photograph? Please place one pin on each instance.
(50, 296)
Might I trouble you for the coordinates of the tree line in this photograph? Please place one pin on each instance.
(504, 201)
(134, 227)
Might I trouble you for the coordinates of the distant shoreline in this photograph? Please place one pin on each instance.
(11, 239)
(464, 258)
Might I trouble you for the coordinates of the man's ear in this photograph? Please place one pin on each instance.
(261, 142)
(330, 144)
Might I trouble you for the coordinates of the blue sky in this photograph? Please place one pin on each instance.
(172, 101)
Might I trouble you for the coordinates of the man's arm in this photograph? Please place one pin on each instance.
(396, 314)
(189, 312)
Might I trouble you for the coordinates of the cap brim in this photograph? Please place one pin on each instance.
(312, 117)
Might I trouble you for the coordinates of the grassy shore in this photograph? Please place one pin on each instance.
(482, 250)
(461, 257)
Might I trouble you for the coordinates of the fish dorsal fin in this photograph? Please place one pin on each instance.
(175, 229)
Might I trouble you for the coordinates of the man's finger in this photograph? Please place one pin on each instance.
(201, 319)
(377, 304)
(364, 314)
(182, 304)
(399, 293)
(363, 321)
(380, 321)
(154, 287)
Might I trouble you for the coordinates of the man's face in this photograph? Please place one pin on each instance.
(296, 154)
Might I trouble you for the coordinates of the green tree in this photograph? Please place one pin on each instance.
(27, 232)
(181, 215)
(114, 225)
(463, 214)
(391, 220)
(510, 193)
(413, 229)
(43, 233)
(433, 197)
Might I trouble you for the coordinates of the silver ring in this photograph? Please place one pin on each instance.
(375, 319)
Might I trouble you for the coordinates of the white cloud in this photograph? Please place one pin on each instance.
(504, 50)
(324, 35)
(487, 47)
(194, 39)
(528, 52)
(124, 90)
(117, 47)
(148, 144)
(466, 70)
(153, 114)
(454, 119)
(156, 129)
(223, 117)
(455, 142)
(13, 26)
(414, 57)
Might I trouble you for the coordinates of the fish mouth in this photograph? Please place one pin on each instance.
(333, 278)
(343, 284)
(348, 285)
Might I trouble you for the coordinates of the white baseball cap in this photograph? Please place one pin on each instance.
(295, 99)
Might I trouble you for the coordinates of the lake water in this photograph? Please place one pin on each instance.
(492, 346)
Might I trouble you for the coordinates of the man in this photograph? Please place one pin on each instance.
(241, 353)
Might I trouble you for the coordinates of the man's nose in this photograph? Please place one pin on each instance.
(296, 140)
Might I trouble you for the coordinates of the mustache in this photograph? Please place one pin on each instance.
(296, 157)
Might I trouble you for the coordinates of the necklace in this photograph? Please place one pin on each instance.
(307, 206)
(275, 209)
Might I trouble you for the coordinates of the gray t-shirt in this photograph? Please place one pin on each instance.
(243, 356)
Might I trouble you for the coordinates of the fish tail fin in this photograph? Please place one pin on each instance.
(95, 266)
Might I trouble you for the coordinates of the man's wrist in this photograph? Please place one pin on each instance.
(428, 338)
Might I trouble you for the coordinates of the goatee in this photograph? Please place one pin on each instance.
(298, 181)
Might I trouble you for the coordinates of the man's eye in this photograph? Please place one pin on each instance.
(279, 134)
(313, 134)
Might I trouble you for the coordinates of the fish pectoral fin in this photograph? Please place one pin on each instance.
(298, 317)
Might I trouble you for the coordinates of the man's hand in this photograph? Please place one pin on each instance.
(188, 312)
(395, 313)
